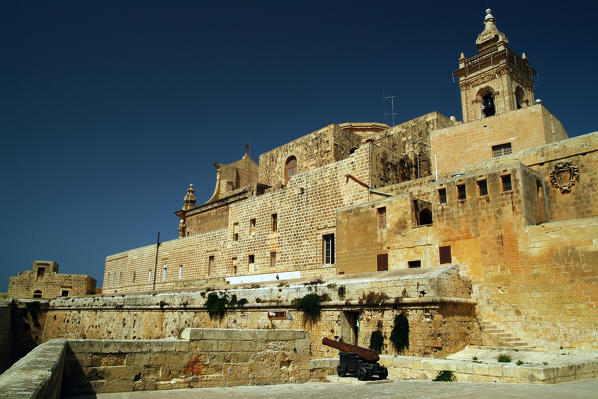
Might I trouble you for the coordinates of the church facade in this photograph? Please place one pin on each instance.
(504, 193)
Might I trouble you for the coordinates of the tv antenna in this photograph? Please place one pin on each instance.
(392, 108)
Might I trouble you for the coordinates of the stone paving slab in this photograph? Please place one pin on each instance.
(396, 389)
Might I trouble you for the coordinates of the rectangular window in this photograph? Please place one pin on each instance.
(65, 293)
(149, 276)
(164, 271)
(442, 195)
(251, 259)
(445, 255)
(382, 262)
(211, 262)
(382, 217)
(272, 259)
(251, 226)
(234, 265)
(506, 183)
(134, 276)
(501, 149)
(180, 272)
(114, 279)
(274, 222)
(328, 249)
(414, 263)
(461, 194)
(236, 231)
(482, 187)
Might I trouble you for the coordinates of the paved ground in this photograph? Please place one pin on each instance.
(552, 358)
(395, 389)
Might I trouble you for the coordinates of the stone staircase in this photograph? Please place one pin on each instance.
(495, 337)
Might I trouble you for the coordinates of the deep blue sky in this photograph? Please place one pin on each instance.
(109, 109)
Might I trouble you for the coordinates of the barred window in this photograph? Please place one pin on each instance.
(501, 149)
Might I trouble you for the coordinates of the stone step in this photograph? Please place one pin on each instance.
(502, 338)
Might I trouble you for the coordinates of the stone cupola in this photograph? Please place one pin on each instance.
(189, 199)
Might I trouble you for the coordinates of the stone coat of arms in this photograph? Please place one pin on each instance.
(564, 176)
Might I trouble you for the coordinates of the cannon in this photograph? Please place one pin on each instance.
(357, 361)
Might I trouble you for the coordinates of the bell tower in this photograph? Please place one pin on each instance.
(495, 80)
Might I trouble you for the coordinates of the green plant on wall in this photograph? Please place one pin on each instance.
(399, 335)
(376, 341)
(216, 305)
(445, 376)
(310, 305)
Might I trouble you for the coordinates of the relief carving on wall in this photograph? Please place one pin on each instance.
(564, 176)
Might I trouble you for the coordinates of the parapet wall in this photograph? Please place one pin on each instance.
(37, 375)
(203, 358)
(435, 301)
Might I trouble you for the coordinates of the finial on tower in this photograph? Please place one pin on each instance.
(490, 35)
(189, 199)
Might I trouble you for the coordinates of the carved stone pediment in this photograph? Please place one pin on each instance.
(564, 176)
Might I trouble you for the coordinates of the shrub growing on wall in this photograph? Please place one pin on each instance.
(216, 306)
(310, 306)
(376, 341)
(399, 335)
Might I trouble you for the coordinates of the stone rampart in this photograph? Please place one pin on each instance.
(435, 300)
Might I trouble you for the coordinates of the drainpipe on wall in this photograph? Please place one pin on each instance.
(156, 262)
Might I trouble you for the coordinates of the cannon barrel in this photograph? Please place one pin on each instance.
(365, 354)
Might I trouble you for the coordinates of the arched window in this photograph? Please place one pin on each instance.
(425, 216)
(488, 108)
(290, 168)
(519, 97)
(37, 294)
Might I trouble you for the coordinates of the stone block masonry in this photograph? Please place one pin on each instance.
(203, 358)
(36, 376)
(435, 300)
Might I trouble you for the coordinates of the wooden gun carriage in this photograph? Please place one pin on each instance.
(357, 361)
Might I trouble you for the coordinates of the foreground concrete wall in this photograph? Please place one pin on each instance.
(435, 300)
(37, 375)
(204, 358)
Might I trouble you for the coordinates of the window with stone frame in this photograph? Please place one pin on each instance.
(211, 265)
(501, 149)
(442, 195)
(273, 259)
(445, 254)
(382, 217)
(382, 262)
(290, 168)
(506, 183)
(461, 193)
(328, 249)
(482, 187)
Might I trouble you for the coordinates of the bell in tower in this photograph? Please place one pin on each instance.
(495, 80)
